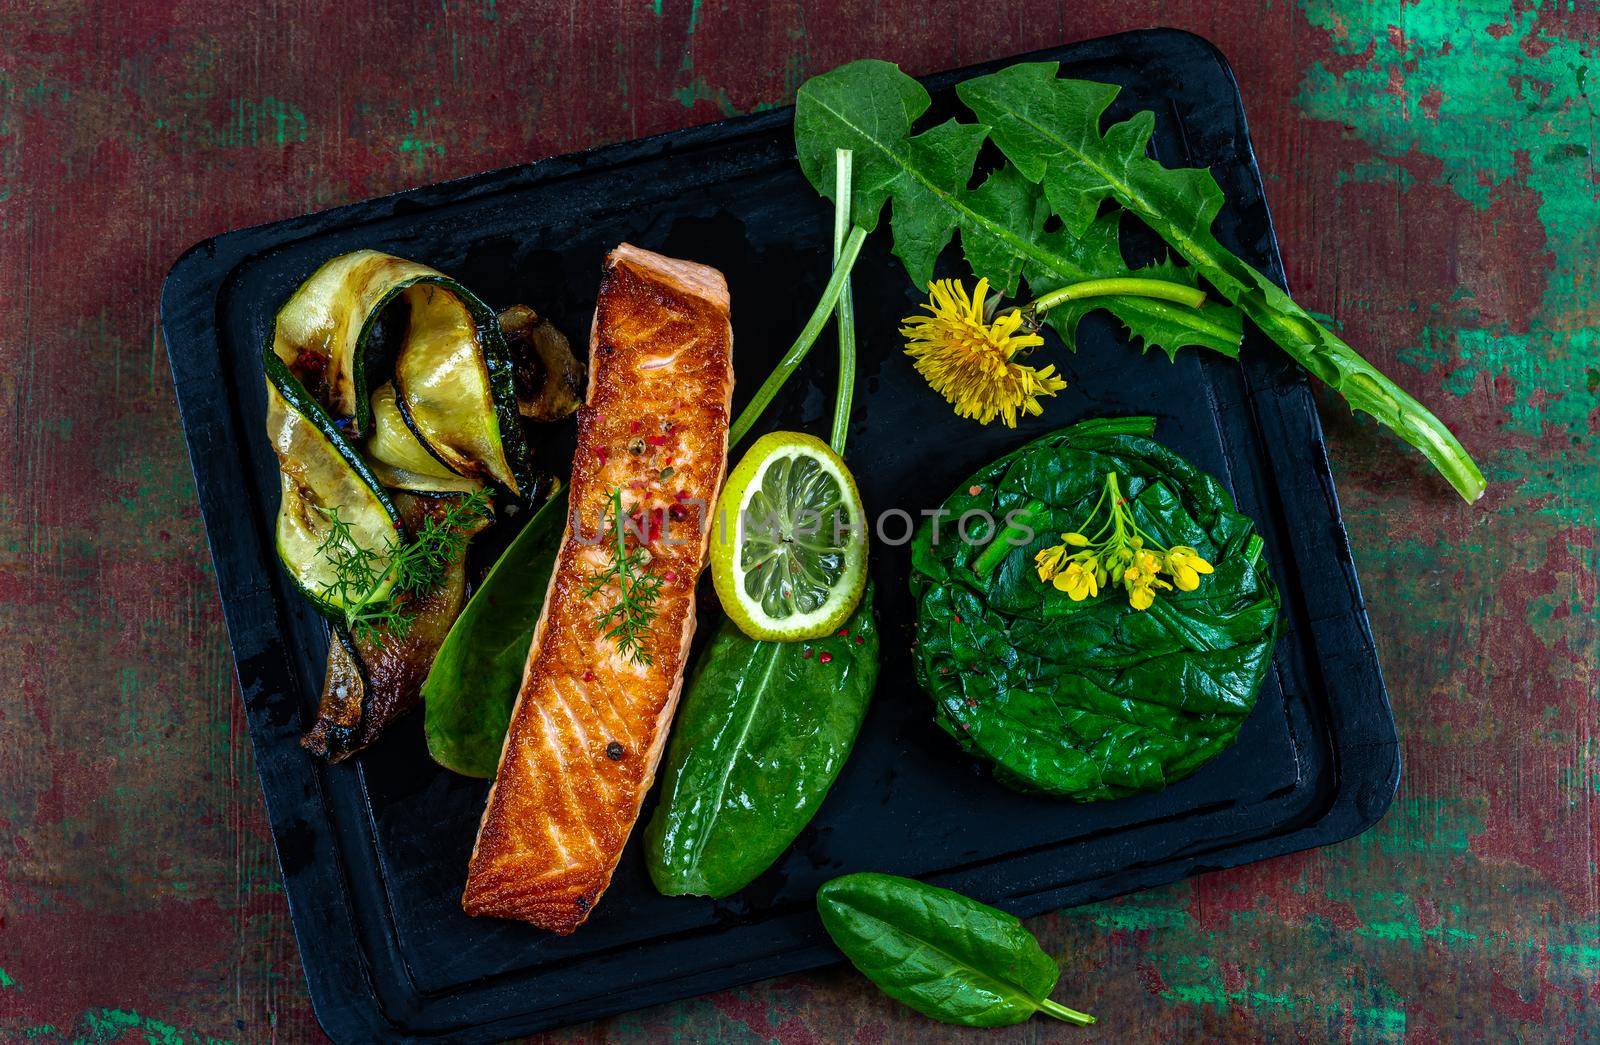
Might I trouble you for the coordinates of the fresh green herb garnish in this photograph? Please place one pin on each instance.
(870, 107)
(945, 955)
(1050, 129)
(626, 621)
(372, 588)
(1061, 164)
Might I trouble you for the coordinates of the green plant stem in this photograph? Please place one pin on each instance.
(998, 548)
(1125, 286)
(1061, 1012)
(802, 344)
(847, 308)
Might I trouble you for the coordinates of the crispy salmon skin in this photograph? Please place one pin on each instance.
(590, 720)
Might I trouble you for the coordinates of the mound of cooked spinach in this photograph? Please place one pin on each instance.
(1095, 699)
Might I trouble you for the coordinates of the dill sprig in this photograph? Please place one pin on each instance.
(626, 621)
(370, 607)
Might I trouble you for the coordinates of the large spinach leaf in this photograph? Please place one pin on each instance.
(473, 684)
(1094, 699)
(762, 733)
(943, 954)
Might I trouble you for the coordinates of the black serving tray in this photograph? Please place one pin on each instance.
(374, 852)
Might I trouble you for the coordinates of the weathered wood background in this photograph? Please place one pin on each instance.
(1431, 165)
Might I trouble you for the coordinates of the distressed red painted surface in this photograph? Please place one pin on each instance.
(1431, 168)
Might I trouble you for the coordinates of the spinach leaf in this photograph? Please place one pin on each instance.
(941, 953)
(869, 107)
(1049, 128)
(762, 733)
(1090, 700)
(473, 684)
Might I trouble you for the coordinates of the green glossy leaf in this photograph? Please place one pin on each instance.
(473, 684)
(870, 107)
(941, 953)
(1049, 128)
(1092, 700)
(763, 731)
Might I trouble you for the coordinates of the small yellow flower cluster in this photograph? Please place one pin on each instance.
(1121, 553)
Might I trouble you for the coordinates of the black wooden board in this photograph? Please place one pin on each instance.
(374, 851)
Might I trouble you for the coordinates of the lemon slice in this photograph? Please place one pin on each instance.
(789, 551)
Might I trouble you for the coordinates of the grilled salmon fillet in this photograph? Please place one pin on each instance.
(590, 720)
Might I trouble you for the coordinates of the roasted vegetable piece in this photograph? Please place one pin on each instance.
(454, 387)
(945, 955)
(372, 681)
(323, 333)
(549, 378)
(1093, 699)
(319, 472)
(399, 460)
(764, 730)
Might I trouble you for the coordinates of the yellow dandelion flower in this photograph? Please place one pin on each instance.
(970, 361)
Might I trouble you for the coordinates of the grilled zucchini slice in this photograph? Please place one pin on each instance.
(399, 460)
(454, 386)
(318, 472)
(323, 333)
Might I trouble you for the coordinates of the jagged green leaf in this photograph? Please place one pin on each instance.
(1049, 128)
(870, 107)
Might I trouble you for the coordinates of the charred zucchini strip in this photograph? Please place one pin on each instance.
(399, 460)
(323, 332)
(454, 385)
(320, 473)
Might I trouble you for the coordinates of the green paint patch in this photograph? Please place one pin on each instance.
(108, 1026)
(267, 120)
(1427, 824)
(251, 123)
(1377, 172)
(1197, 981)
(698, 90)
(1135, 916)
(418, 142)
(1497, 119)
(7, 983)
(1566, 151)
